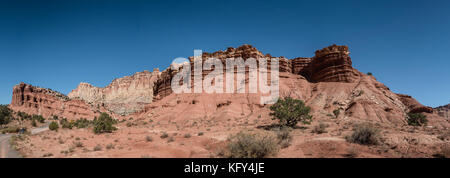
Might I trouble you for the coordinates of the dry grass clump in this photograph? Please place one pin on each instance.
(320, 129)
(284, 137)
(247, 145)
(365, 135)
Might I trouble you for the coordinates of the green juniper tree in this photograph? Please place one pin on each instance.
(290, 111)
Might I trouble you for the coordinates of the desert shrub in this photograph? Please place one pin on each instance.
(283, 133)
(360, 92)
(284, 137)
(171, 139)
(65, 124)
(78, 144)
(246, 145)
(187, 135)
(200, 134)
(104, 124)
(23, 115)
(336, 112)
(33, 123)
(98, 148)
(290, 111)
(81, 123)
(149, 138)
(47, 155)
(320, 129)
(365, 135)
(12, 129)
(110, 146)
(129, 124)
(369, 73)
(53, 126)
(38, 118)
(352, 152)
(164, 135)
(5, 115)
(417, 119)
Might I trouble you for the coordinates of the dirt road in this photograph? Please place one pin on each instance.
(5, 148)
(6, 151)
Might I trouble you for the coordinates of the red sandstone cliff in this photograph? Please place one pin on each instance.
(413, 105)
(326, 82)
(48, 103)
(331, 64)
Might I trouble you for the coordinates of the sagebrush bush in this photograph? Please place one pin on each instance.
(164, 135)
(290, 111)
(104, 124)
(320, 129)
(78, 144)
(284, 137)
(365, 135)
(417, 119)
(110, 146)
(53, 126)
(284, 134)
(82, 123)
(65, 124)
(149, 138)
(246, 145)
(98, 148)
(38, 118)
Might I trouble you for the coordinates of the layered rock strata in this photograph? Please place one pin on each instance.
(413, 105)
(123, 96)
(331, 64)
(46, 102)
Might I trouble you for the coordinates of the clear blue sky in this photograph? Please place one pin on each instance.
(58, 44)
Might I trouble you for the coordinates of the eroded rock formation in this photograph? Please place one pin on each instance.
(326, 81)
(331, 64)
(413, 105)
(48, 103)
(123, 96)
(300, 65)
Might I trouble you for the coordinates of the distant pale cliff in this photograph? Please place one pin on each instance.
(443, 111)
(123, 96)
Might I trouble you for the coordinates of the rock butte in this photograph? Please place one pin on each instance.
(326, 82)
